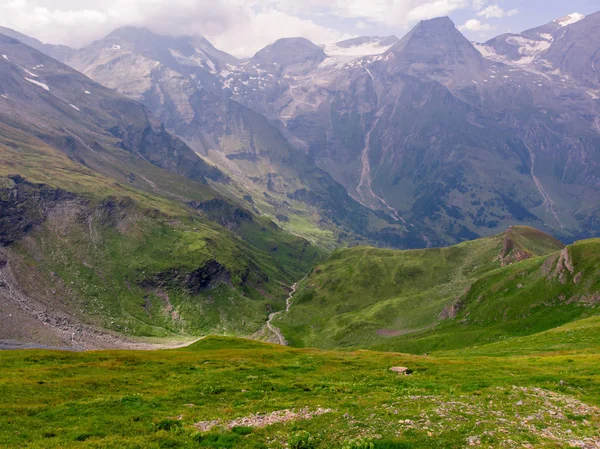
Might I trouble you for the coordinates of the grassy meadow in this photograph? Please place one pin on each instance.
(231, 393)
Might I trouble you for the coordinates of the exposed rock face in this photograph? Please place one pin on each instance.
(510, 253)
(207, 277)
(193, 89)
(226, 214)
(564, 266)
(567, 47)
(24, 206)
(82, 118)
(288, 56)
(452, 310)
(439, 133)
(435, 49)
(204, 278)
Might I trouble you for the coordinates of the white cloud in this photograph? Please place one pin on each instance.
(231, 24)
(475, 25)
(237, 26)
(397, 13)
(436, 9)
(496, 12)
(267, 27)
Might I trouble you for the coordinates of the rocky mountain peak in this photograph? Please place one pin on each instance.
(163, 47)
(289, 51)
(435, 41)
(436, 49)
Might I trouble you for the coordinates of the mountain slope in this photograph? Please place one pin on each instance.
(430, 132)
(108, 222)
(54, 102)
(183, 83)
(517, 283)
(566, 47)
(434, 128)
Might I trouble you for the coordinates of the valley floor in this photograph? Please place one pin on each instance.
(224, 393)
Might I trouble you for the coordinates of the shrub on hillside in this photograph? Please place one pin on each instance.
(301, 440)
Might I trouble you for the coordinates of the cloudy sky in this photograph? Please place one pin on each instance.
(242, 27)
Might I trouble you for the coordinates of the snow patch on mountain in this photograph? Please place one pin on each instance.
(347, 51)
(528, 47)
(570, 19)
(37, 83)
(486, 51)
(30, 73)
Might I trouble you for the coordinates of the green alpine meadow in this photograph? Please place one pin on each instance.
(330, 240)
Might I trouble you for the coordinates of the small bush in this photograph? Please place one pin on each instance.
(217, 440)
(167, 424)
(242, 430)
(359, 443)
(169, 444)
(386, 444)
(83, 436)
(301, 440)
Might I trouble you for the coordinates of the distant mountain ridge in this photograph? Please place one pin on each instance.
(461, 138)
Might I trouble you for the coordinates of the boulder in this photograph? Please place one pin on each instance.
(401, 370)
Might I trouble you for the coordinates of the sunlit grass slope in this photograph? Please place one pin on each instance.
(199, 397)
(517, 283)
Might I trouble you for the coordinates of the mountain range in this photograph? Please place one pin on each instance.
(161, 168)
(458, 139)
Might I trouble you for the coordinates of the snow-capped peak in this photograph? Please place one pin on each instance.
(570, 19)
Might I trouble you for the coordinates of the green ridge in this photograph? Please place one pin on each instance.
(426, 300)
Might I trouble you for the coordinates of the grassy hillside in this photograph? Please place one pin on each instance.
(109, 222)
(115, 263)
(581, 335)
(516, 283)
(104, 239)
(227, 393)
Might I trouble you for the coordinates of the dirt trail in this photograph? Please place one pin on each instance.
(275, 329)
(115, 343)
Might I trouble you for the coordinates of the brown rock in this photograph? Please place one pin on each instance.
(401, 370)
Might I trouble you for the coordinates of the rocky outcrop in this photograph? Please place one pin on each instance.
(160, 148)
(203, 279)
(223, 212)
(564, 266)
(207, 277)
(23, 206)
(510, 253)
(401, 370)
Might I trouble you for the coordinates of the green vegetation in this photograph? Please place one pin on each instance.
(136, 276)
(196, 397)
(439, 299)
(118, 246)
